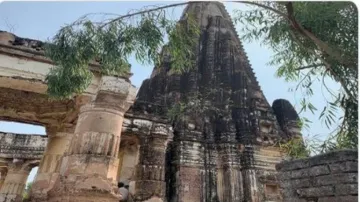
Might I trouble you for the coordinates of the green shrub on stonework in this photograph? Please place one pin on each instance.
(295, 148)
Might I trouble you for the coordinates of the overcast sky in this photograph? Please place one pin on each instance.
(41, 20)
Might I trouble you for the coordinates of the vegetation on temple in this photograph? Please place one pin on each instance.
(26, 194)
(111, 42)
(312, 41)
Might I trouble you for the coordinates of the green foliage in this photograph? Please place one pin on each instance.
(111, 42)
(295, 148)
(181, 45)
(26, 193)
(176, 110)
(312, 41)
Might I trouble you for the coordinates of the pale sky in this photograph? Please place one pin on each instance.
(41, 21)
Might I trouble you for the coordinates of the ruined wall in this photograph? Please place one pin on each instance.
(19, 153)
(331, 177)
(22, 146)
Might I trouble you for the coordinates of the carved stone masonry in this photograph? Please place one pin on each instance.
(49, 168)
(89, 168)
(3, 172)
(220, 148)
(15, 180)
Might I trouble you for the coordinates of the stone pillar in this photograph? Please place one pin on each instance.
(150, 173)
(89, 168)
(15, 180)
(251, 191)
(49, 167)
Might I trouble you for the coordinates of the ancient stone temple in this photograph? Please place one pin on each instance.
(223, 138)
(208, 135)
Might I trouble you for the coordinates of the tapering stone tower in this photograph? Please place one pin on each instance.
(224, 130)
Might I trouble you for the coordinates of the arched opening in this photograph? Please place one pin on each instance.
(29, 182)
(26, 129)
(16, 135)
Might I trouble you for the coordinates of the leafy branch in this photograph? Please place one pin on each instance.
(111, 42)
(320, 39)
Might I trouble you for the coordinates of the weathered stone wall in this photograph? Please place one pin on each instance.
(22, 146)
(331, 177)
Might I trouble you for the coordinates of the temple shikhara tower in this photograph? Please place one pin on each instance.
(208, 135)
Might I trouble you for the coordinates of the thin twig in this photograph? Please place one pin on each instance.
(327, 65)
(309, 66)
(263, 6)
(145, 11)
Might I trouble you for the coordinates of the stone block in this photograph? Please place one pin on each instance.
(295, 200)
(332, 157)
(315, 191)
(318, 170)
(346, 189)
(292, 165)
(142, 124)
(303, 173)
(297, 183)
(339, 199)
(348, 166)
(114, 85)
(160, 129)
(336, 179)
(295, 174)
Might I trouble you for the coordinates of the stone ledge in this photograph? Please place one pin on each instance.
(22, 146)
(331, 157)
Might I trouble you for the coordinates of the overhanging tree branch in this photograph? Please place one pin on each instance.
(327, 65)
(144, 11)
(309, 66)
(323, 47)
(264, 6)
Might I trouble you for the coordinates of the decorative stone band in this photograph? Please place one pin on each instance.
(116, 85)
(99, 119)
(113, 88)
(22, 146)
(150, 172)
(99, 108)
(143, 128)
(95, 143)
(21, 152)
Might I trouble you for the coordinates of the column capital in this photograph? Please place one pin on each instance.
(114, 92)
(117, 85)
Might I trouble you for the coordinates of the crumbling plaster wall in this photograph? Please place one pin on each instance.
(331, 177)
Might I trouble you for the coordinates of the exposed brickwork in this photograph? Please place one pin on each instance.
(329, 177)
